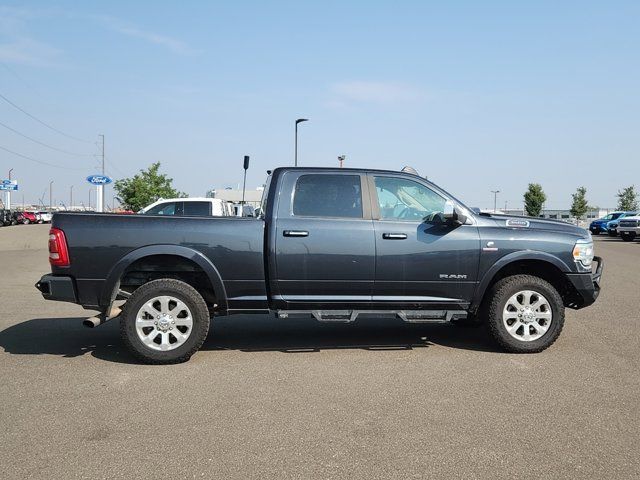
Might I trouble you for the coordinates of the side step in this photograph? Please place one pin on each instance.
(349, 316)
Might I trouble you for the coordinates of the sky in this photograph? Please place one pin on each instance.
(477, 96)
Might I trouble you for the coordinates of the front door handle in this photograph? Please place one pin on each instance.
(295, 233)
(394, 236)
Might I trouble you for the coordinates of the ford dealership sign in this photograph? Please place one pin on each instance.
(99, 179)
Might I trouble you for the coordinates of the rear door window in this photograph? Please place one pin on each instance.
(319, 195)
(197, 209)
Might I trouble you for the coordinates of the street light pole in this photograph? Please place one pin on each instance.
(51, 196)
(299, 120)
(341, 159)
(71, 198)
(495, 200)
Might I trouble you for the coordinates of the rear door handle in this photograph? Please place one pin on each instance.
(295, 233)
(394, 236)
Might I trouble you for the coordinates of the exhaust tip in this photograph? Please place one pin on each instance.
(91, 322)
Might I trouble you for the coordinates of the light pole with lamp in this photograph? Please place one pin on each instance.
(495, 200)
(299, 120)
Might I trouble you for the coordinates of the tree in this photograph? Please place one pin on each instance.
(534, 198)
(144, 188)
(628, 199)
(579, 206)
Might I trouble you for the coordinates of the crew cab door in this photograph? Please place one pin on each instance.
(324, 241)
(420, 258)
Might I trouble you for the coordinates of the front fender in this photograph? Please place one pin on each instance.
(508, 259)
(112, 282)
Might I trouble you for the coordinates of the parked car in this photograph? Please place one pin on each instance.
(629, 227)
(612, 226)
(6, 217)
(332, 244)
(600, 225)
(44, 217)
(26, 218)
(189, 207)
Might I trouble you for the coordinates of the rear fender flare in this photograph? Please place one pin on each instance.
(508, 259)
(112, 282)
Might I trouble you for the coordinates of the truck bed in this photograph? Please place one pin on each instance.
(106, 242)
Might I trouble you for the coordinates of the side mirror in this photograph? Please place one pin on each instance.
(453, 215)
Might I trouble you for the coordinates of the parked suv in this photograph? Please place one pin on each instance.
(600, 225)
(629, 228)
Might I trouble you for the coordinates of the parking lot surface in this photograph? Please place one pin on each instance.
(271, 398)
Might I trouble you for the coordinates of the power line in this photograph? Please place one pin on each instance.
(41, 162)
(44, 144)
(41, 122)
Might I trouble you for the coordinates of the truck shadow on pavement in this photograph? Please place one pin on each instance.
(66, 337)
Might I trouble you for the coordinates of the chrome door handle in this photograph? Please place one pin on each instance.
(394, 236)
(295, 233)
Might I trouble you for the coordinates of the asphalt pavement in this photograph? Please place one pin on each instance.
(272, 398)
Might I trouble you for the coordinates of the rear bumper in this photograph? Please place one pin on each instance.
(586, 285)
(60, 288)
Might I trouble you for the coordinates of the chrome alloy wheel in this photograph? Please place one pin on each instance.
(164, 323)
(527, 315)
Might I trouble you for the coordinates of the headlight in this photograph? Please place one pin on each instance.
(583, 252)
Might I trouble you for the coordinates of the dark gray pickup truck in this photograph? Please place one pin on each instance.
(334, 244)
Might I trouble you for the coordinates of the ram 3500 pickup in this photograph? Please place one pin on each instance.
(334, 244)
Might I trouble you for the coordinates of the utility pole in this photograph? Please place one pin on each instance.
(71, 198)
(341, 159)
(51, 196)
(495, 200)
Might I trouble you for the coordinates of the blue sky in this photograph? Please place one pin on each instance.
(477, 96)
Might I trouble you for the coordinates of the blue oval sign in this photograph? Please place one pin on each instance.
(99, 179)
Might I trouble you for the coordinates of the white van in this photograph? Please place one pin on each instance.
(189, 207)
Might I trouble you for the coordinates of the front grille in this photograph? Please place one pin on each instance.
(629, 223)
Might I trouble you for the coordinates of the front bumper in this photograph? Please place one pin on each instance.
(60, 288)
(586, 285)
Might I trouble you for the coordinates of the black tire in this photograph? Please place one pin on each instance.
(180, 290)
(595, 233)
(26, 221)
(628, 238)
(612, 234)
(500, 294)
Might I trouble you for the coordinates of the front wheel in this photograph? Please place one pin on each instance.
(26, 221)
(628, 237)
(164, 321)
(525, 314)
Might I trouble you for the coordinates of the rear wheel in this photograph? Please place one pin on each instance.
(164, 321)
(26, 221)
(525, 314)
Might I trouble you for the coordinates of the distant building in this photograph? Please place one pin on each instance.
(251, 197)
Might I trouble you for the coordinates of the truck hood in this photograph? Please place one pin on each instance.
(513, 221)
